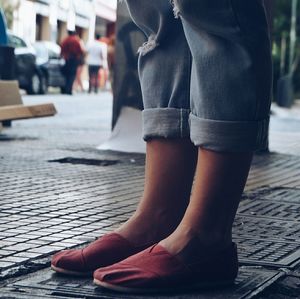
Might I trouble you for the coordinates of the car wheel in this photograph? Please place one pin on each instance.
(43, 85)
(35, 84)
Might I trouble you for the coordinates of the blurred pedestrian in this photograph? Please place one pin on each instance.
(72, 52)
(96, 61)
(78, 85)
(111, 59)
(104, 72)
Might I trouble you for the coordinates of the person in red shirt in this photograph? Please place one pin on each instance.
(72, 52)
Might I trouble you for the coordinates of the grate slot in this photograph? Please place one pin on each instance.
(83, 161)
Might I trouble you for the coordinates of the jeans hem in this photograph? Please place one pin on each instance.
(229, 136)
(165, 123)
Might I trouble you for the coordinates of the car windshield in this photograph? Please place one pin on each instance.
(15, 41)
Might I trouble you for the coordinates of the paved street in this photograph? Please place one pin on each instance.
(57, 191)
(285, 130)
(81, 119)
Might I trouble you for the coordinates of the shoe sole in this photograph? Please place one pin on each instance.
(71, 273)
(153, 290)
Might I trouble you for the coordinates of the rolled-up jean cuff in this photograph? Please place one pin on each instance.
(165, 123)
(229, 136)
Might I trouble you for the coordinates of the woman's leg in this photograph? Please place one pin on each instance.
(171, 157)
(78, 86)
(230, 101)
(79, 78)
(97, 78)
(207, 224)
(90, 78)
(170, 167)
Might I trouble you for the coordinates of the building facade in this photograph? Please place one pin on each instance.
(51, 19)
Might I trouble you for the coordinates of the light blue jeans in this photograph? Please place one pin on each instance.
(205, 71)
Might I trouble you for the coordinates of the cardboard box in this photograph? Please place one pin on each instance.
(12, 108)
(9, 93)
(23, 112)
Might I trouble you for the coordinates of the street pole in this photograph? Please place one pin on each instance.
(269, 5)
(283, 55)
(3, 34)
(285, 88)
(293, 35)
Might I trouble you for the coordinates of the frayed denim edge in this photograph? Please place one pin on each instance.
(175, 8)
(149, 45)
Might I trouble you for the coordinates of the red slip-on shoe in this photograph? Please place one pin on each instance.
(107, 250)
(156, 270)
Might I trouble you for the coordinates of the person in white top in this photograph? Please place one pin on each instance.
(96, 59)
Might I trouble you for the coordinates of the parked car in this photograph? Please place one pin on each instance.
(50, 63)
(27, 71)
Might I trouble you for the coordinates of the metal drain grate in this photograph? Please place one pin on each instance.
(267, 228)
(279, 194)
(279, 210)
(82, 161)
(48, 285)
(279, 203)
(267, 252)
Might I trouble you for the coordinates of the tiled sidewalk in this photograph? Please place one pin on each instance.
(51, 206)
(48, 206)
(64, 205)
